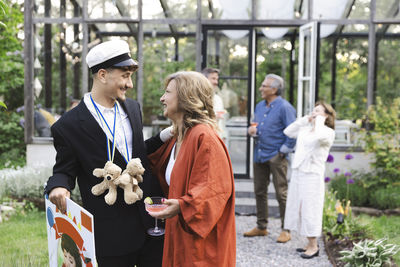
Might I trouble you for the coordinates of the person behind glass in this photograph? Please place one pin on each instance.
(213, 76)
(315, 135)
(83, 137)
(196, 174)
(272, 115)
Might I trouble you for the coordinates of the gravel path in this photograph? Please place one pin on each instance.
(265, 251)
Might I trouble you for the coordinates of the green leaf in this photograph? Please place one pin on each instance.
(3, 105)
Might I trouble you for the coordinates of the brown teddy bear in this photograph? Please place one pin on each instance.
(110, 173)
(129, 180)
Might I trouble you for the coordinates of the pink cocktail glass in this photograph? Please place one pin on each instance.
(157, 206)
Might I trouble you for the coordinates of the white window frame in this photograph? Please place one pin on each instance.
(312, 27)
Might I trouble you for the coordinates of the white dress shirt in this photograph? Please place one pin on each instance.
(170, 166)
(123, 127)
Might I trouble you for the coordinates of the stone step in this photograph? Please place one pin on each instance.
(245, 198)
(246, 210)
(247, 185)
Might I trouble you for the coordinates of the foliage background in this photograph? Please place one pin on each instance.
(11, 61)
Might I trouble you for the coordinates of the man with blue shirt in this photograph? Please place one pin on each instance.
(272, 116)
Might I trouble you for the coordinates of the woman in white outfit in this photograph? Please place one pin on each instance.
(305, 200)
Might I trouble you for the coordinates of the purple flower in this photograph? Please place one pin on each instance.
(350, 181)
(336, 170)
(348, 174)
(348, 157)
(330, 158)
(327, 179)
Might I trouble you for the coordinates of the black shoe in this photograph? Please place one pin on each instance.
(300, 250)
(305, 256)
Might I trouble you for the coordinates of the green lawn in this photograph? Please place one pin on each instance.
(23, 241)
(384, 226)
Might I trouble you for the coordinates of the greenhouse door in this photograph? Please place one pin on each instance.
(307, 68)
(231, 50)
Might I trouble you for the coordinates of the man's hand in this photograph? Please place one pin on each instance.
(252, 130)
(57, 197)
(169, 212)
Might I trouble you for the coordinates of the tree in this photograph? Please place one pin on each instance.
(11, 61)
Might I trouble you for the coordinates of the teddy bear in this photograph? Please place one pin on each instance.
(110, 173)
(129, 181)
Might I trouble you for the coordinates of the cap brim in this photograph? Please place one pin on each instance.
(125, 63)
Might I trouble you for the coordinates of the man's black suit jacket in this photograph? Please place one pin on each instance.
(81, 147)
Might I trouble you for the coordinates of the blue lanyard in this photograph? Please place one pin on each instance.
(100, 115)
(126, 142)
(116, 108)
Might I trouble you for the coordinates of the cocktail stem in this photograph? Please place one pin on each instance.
(156, 228)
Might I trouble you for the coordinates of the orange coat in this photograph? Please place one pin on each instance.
(204, 233)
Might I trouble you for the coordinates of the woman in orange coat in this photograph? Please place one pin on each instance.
(196, 174)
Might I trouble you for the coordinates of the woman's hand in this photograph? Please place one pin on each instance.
(169, 212)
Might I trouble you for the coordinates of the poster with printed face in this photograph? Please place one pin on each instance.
(70, 236)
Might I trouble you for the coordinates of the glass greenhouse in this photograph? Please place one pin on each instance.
(342, 51)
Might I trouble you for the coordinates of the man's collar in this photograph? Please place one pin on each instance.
(102, 108)
(276, 100)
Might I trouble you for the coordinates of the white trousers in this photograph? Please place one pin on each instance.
(305, 203)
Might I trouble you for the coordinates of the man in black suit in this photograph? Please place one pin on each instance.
(84, 139)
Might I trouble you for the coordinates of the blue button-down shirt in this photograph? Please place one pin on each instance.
(272, 120)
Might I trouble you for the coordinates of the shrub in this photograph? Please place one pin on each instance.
(384, 140)
(27, 182)
(367, 190)
(369, 253)
(386, 198)
(356, 192)
(12, 145)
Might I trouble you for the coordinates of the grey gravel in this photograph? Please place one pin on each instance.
(265, 251)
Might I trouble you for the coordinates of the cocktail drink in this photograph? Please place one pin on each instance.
(253, 123)
(155, 204)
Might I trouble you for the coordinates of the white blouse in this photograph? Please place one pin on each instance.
(170, 166)
(312, 146)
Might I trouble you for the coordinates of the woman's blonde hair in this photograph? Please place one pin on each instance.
(195, 100)
(330, 120)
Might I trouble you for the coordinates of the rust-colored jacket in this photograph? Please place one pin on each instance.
(204, 233)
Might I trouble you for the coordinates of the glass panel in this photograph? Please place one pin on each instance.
(163, 56)
(325, 66)
(307, 53)
(354, 28)
(96, 8)
(152, 9)
(57, 73)
(53, 8)
(156, 29)
(100, 29)
(360, 9)
(275, 9)
(388, 83)
(113, 9)
(208, 10)
(306, 98)
(182, 9)
(226, 9)
(273, 56)
(394, 29)
(231, 57)
(385, 9)
(351, 78)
